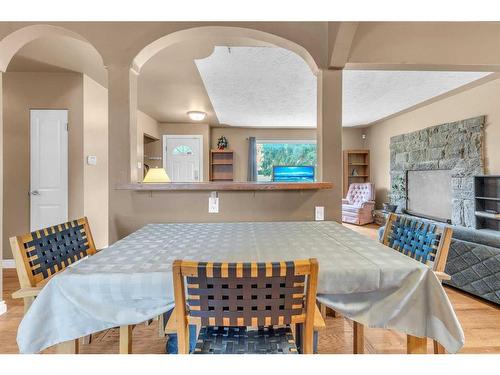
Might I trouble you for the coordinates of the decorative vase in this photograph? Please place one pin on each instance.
(222, 143)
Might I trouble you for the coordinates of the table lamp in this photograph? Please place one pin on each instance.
(156, 176)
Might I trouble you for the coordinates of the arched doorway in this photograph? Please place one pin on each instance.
(172, 81)
(50, 68)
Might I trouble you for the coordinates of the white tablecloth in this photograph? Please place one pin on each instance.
(131, 281)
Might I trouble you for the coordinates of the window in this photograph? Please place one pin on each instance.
(182, 150)
(286, 153)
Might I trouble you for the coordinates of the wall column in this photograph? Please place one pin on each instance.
(122, 146)
(3, 306)
(329, 136)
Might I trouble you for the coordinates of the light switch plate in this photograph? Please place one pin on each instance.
(213, 203)
(92, 160)
(319, 213)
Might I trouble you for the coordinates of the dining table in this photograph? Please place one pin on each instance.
(130, 281)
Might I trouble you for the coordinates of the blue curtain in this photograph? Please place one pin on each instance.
(252, 159)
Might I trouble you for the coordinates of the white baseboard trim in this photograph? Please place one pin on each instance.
(8, 263)
(3, 307)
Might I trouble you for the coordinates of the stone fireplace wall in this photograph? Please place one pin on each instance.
(456, 146)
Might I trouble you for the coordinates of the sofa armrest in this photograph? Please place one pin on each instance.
(368, 204)
(345, 201)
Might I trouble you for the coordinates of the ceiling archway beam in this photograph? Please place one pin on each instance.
(13, 42)
(340, 37)
(224, 31)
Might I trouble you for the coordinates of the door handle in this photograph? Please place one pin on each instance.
(35, 192)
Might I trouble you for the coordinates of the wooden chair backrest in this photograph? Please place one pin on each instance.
(45, 252)
(425, 242)
(245, 294)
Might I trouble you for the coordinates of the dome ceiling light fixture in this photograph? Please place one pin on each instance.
(197, 115)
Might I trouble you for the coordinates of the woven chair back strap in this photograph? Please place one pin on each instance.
(414, 238)
(52, 249)
(246, 294)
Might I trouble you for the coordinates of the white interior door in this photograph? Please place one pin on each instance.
(183, 157)
(48, 167)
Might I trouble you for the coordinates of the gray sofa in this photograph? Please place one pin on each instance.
(474, 262)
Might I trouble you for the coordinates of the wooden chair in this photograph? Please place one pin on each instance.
(41, 254)
(425, 242)
(225, 299)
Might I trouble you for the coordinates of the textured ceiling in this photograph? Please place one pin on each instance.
(371, 95)
(253, 85)
(170, 83)
(260, 87)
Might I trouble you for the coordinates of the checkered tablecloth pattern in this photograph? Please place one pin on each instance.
(131, 281)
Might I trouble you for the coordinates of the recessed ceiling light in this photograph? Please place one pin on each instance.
(197, 115)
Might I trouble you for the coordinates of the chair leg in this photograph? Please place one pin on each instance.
(86, 340)
(126, 339)
(68, 347)
(322, 310)
(27, 303)
(161, 326)
(438, 348)
(416, 345)
(358, 338)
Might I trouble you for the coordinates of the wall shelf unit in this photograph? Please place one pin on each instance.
(221, 165)
(487, 202)
(357, 162)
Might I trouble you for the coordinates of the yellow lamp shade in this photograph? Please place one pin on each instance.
(156, 176)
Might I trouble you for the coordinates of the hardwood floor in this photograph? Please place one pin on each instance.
(480, 321)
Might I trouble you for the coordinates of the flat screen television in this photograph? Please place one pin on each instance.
(287, 173)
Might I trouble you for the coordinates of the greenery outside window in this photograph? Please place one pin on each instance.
(284, 152)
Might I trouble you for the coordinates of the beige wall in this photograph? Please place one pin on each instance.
(238, 142)
(190, 129)
(22, 92)
(145, 125)
(95, 122)
(352, 138)
(480, 100)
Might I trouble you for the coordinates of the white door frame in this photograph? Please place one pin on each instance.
(184, 136)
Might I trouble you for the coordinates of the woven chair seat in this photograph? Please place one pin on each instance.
(240, 340)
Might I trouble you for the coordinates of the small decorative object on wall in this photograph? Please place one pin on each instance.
(355, 172)
(222, 143)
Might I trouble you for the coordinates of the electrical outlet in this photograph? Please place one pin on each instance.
(213, 203)
(319, 213)
(92, 160)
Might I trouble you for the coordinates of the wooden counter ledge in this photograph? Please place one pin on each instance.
(221, 186)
